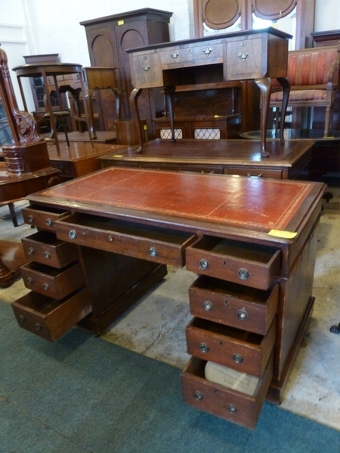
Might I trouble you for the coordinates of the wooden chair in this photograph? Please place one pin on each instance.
(314, 77)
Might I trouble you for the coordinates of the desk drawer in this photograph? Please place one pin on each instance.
(251, 172)
(160, 245)
(220, 400)
(54, 283)
(42, 217)
(246, 58)
(192, 55)
(50, 318)
(43, 247)
(234, 305)
(243, 351)
(253, 265)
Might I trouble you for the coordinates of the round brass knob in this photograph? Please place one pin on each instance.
(37, 326)
(232, 408)
(72, 234)
(208, 306)
(49, 222)
(242, 314)
(47, 255)
(243, 273)
(237, 358)
(46, 286)
(198, 395)
(30, 251)
(30, 218)
(30, 280)
(204, 347)
(153, 252)
(203, 264)
(22, 318)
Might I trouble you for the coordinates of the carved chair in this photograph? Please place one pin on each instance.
(314, 77)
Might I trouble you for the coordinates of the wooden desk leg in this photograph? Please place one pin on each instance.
(135, 112)
(265, 87)
(169, 96)
(285, 96)
(6, 276)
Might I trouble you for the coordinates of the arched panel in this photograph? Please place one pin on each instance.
(267, 10)
(99, 43)
(220, 14)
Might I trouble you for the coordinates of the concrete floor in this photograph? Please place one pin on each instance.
(155, 326)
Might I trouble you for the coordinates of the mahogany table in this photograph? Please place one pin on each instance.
(251, 241)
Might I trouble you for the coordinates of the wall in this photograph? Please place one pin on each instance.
(53, 27)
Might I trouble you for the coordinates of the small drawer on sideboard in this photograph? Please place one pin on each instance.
(43, 217)
(254, 172)
(220, 400)
(243, 351)
(234, 305)
(150, 243)
(249, 264)
(44, 247)
(52, 282)
(49, 318)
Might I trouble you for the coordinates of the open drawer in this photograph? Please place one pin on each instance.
(161, 245)
(217, 399)
(44, 247)
(43, 217)
(243, 351)
(249, 264)
(234, 305)
(50, 281)
(50, 318)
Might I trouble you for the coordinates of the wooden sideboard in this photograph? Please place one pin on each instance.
(245, 55)
(105, 239)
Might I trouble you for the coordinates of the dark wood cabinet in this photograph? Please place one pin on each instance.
(108, 39)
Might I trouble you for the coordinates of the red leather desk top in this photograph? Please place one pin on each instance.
(254, 203)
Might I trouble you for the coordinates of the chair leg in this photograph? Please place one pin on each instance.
(13, 214)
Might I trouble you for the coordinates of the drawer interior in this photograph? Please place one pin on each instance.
(237, 249)
(228, 331)
(46, 270)
(44, 237)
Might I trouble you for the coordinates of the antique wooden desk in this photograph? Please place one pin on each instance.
(231, 157)
(105, 239)
(241, 55)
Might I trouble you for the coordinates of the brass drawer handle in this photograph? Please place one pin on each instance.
(207, 51)
(208, 306)
(237, 358)
(243, 273)
(242, 314)
(22, 318)
(232, 408)
(174, 55)
(243, 55)
(198, 395)
(203, 264)
(30, 218)
(146, 68)
(30, 280)
(47, 255)
(37, 326)
(49, 222)
(72, 234)
(153, 252)
(30, 250)
(204, 347)
(46, 286)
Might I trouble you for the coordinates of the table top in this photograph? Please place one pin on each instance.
(32, 69)
(216, 152)
(210, 203)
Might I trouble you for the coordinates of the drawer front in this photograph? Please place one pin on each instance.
(251, 172)
(234, 348)
(43, 247)
(246, 58)
(235, 305)
(41, 217)
(146, 70)
(248, 264)
(140, 241)
(219, 400)
(52, 282)
(187, 55)
(48, 318)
